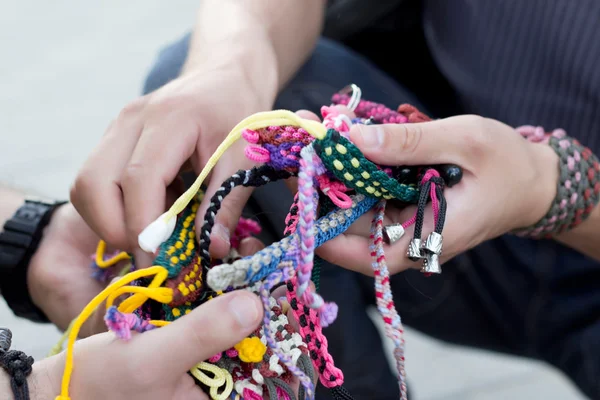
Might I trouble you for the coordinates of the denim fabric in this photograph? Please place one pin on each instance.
(535, 299)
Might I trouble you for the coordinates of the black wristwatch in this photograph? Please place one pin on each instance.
(19, 241)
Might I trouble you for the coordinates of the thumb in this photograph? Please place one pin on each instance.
(211, 328)
(425, 143)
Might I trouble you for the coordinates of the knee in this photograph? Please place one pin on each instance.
(168, 65)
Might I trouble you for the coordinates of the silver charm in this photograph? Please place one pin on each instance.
(393, 233)
(414, 250)
(433, 243)
(431, 264)
(431, 249)
(5, 340)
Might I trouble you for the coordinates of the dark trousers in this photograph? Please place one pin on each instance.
(535, 299)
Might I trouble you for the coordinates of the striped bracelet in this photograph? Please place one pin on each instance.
(578, 190)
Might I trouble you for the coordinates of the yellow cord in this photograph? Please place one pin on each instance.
(161, 294)
(132, 303)
(256, 121)
(159, 323)
(221, 376)
(100, 262)
(88, 311)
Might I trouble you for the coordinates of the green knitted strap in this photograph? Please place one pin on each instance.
(174, 253)
(350, 166)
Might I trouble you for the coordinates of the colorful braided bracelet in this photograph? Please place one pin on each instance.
(578, 189)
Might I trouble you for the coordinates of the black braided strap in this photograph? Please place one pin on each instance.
(340, 393)
(17, 364)
(255, 177)
(578, 190)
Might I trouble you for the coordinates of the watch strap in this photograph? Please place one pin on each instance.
(19, 241)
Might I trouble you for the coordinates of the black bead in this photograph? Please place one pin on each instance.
(405, 174)
(317, 146)
(335, 136)
(452, 174)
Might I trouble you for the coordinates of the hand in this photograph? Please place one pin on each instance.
(507, 183)
(131, 177)
(59, 277)
(153, 365)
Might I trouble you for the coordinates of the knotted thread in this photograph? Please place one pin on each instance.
(307, 202)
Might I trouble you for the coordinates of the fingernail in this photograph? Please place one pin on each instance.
(371, 136)
(245, 311)
(222, 232)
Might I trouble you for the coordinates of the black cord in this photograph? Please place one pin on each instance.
(340, 393)
(17, 364)
(422, 203)
(255, 177)
(439, 191)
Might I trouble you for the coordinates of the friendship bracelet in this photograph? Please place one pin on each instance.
(384, 298)
(337, 185)
(252, 269)
(17, 364)
(578, 189)
(255, 177)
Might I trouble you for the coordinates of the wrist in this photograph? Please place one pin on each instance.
(44, 381)
(248, 56)
(11, 201)
(542, 195)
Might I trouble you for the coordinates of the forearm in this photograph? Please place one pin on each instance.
(585, 238)
(269, 39)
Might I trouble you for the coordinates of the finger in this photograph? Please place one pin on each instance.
(292, 184)
(187, 389)
(457, 140)
(345, 111)
(352, 250)
(174, 191)
(154, 164)
(250, 246)
(308, 115)
(215, 326)
(96, 192)
(231, 207)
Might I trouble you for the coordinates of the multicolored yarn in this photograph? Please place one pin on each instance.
(252, 269)
(380, 114)
(578, 190)
(265, 291)
(307, 204)
(184, 276)
(291, 220)
(277, 146)
(122, 324)
(310, 328)
(255, 177)
(383, 295)
(245, 228)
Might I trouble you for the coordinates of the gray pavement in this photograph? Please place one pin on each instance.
(66, 69)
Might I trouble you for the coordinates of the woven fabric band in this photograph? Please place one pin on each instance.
(578, 187)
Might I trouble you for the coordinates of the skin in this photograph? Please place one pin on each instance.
(152, 365)
(477, 209)
(233, 70)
